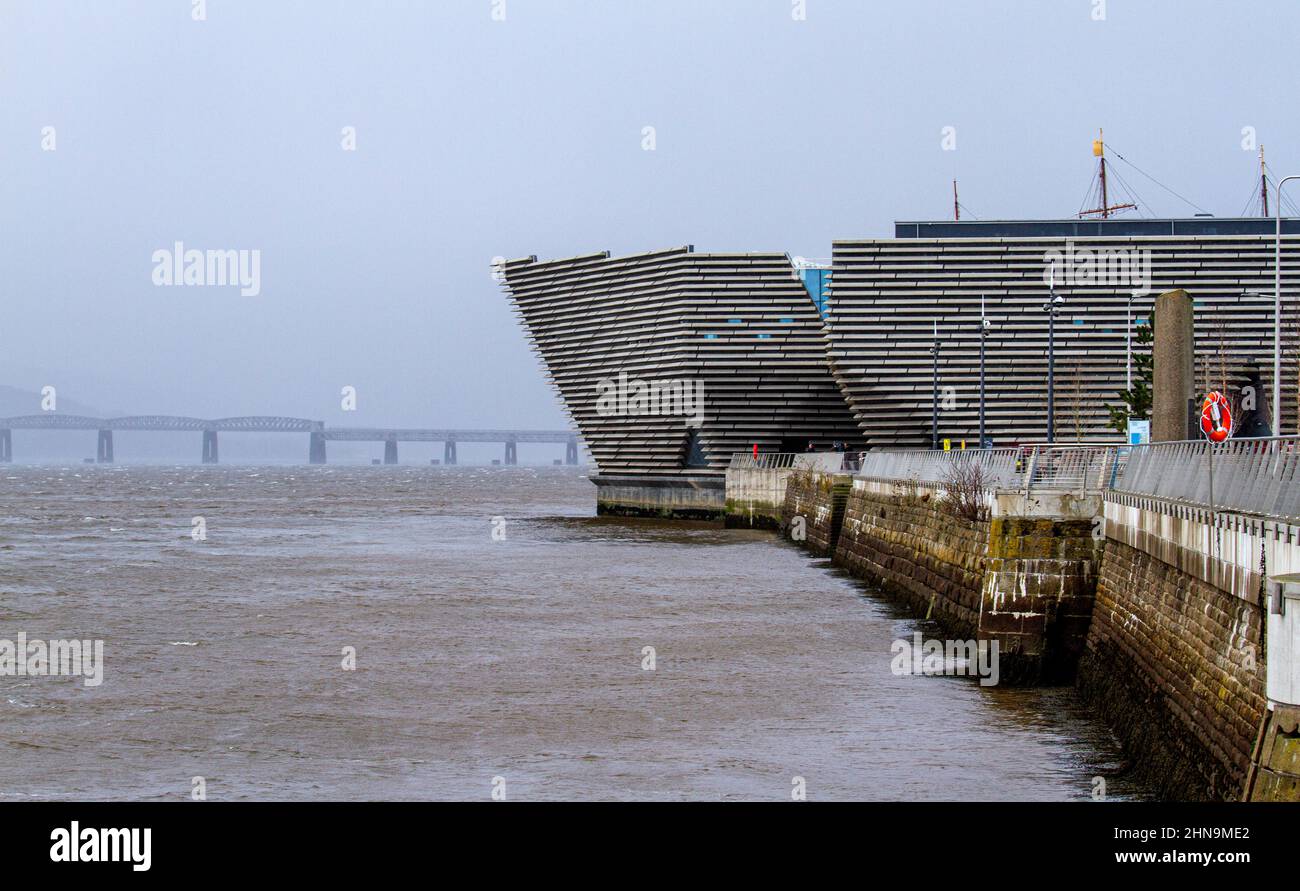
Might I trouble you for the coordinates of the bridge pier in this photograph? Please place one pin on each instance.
(512, 456)
(104, 449)
(390, 451)
(449, 452)
(6, 446)
(316, 449)
(209, 447)
(571, 452)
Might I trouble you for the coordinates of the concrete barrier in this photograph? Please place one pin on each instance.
(756, 485)
(684, 497)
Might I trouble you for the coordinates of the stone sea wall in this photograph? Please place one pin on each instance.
(813, 512)
(1175, 665)
(898, 538)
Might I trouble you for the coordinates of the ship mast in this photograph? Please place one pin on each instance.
(1106, 209)
(1263, 182)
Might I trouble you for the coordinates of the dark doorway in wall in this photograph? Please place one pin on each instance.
(692, 451)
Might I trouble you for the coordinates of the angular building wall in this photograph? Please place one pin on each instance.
(741, 326)
(886, 295)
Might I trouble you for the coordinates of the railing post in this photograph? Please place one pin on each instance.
(1029, 469)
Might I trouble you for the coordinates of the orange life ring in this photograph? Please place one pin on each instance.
(1216, 417)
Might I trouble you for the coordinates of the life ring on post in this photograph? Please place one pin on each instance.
(1216, 417)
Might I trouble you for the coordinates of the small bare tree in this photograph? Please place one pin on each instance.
(965, 488)
(1076, 400)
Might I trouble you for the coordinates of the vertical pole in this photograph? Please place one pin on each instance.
(1051, 364)
(956, 208)
(1209, 445)
(1105, 203)
(1214, 525)
(934, 402)
(983, 335)
(1263, 180)
(1128, 349)
(1277, 311)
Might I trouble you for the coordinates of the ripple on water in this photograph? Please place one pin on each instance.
(475, 657)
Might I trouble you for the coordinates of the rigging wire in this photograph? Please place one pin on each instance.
(1088, 194)
(1252, 202)
(1287, 201)
(1154, 180)
(1133, 196)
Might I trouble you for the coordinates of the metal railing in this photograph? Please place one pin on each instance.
(826, 462)
(1027, 468)
(1255, 476)
(998, 466)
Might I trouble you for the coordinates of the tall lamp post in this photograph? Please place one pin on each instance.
(984, 333)
(1277, 311)
(934, 402)
(1128, 344)
(1054, 302)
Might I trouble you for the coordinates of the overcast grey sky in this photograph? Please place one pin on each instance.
(477, 137)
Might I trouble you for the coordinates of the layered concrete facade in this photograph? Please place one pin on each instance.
(886, 294)
(669, 362)
(773, 372)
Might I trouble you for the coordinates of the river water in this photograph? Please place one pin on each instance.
(512, 661)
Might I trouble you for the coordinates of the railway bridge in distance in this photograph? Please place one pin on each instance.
(318, 434)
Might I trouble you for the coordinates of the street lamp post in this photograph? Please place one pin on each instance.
(1277, 311)
(1128, 349)
(984, 333)
(1053, 303)
(934, 403)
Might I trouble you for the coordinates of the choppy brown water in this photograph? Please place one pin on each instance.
(475, 658)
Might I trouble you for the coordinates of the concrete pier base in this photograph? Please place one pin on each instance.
(104, 448)
(209, 447)
(1275, 770)
(390, 451)
(316, 449)
(6, 446)
(571, 452)
(686, 497)
(755, 496)
(1274, 773)
(449, 452)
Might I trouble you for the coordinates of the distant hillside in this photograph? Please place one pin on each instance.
(14, 401)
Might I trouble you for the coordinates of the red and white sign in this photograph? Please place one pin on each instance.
(1216, 417)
